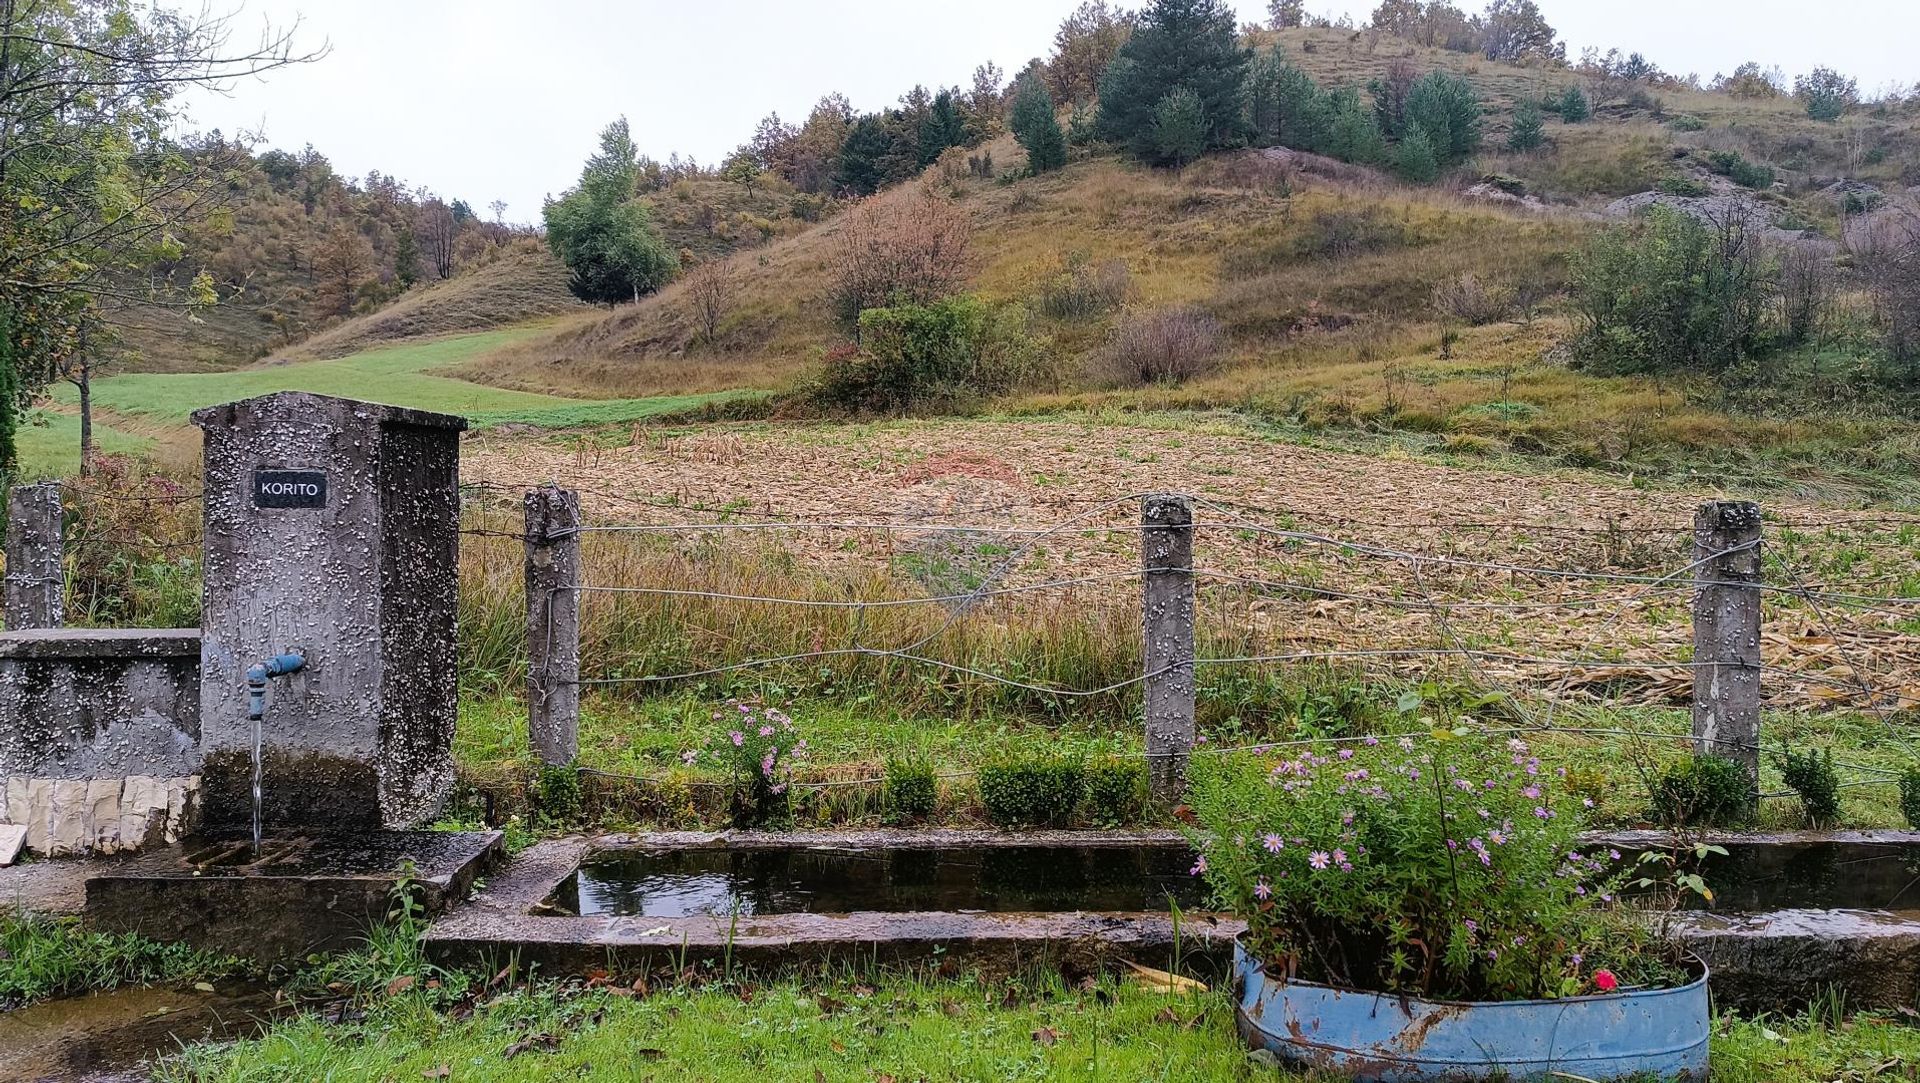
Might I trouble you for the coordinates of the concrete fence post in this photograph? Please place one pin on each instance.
(553, 623)
(1167, 597)
(36, 586)
(1726, 632)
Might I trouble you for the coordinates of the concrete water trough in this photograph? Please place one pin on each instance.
(295, 897)
(1801, 913)
(523, 912)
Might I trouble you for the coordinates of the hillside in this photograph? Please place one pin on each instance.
(1329, 282)
(525, 283)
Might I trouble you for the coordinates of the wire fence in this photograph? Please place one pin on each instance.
(1606, 624)
(1554, 614)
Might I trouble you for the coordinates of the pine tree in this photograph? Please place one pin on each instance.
(862, 157)
(1419, 162)
(1445, 105)
(1190, 44)
(1180, 127)
(943, 127)
(1284, 105)
(1037, 128)
(1353, 131)
(406, 259)
(1574, 107)
(1528, 132)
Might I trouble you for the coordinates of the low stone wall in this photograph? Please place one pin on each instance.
(99, 736)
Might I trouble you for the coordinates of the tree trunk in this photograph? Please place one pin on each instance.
(85, 384)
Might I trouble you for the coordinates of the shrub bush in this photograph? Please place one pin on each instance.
(895, 249)
(1811, 775)
(1464, 298)
(1116, 793)
(1686, 122)
(1705, 790)
(939, 355)
(1673, 293)
(910, 791)
(1679, 184)
(1910, 795)
(1164, 346)
(1448, 866)
(1083, 290)
(557, 792)
(1035, 790)
(1735, 167)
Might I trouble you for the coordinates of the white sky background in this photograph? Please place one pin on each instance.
(491, 99)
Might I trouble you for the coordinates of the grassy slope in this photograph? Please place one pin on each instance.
(49, 444)
(402, 375)
(521, 285)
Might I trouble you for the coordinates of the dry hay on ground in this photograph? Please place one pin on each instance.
(1269, 593)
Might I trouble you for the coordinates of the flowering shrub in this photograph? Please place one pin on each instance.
(758, 749)
(1448, 867)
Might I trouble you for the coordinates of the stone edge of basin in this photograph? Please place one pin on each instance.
(44, 643)
(881, 838)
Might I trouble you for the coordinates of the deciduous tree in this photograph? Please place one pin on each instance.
(603, 234)
(1827, 93)
(1286, 14)
(1083, 47)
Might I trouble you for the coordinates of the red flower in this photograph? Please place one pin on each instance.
(1604, 981)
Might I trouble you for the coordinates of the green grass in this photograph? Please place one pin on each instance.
(399, 375)
(843, 1028)
(889, 1027)
(851, 736)
(42, 957)
(49, 444)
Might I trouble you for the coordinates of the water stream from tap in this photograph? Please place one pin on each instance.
(256, 787)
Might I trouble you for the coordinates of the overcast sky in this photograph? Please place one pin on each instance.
(491, 99)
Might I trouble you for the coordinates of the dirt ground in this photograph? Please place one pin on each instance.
(1301, 549)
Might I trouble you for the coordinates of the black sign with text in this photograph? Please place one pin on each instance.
(289, 489)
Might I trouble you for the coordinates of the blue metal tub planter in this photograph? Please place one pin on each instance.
(1386, 1038)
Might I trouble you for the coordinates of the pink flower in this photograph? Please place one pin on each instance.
(1273, 844)
(738, 738)
(1346, 753)
(1371, 742)
(1531, 792)
(766, 731)
(1263, 890)
(1318, 859)
(1605, 981)
(689, 756)
(1339, 857)
(1199, 865)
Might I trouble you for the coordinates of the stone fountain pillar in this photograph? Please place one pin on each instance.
(332, 531)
